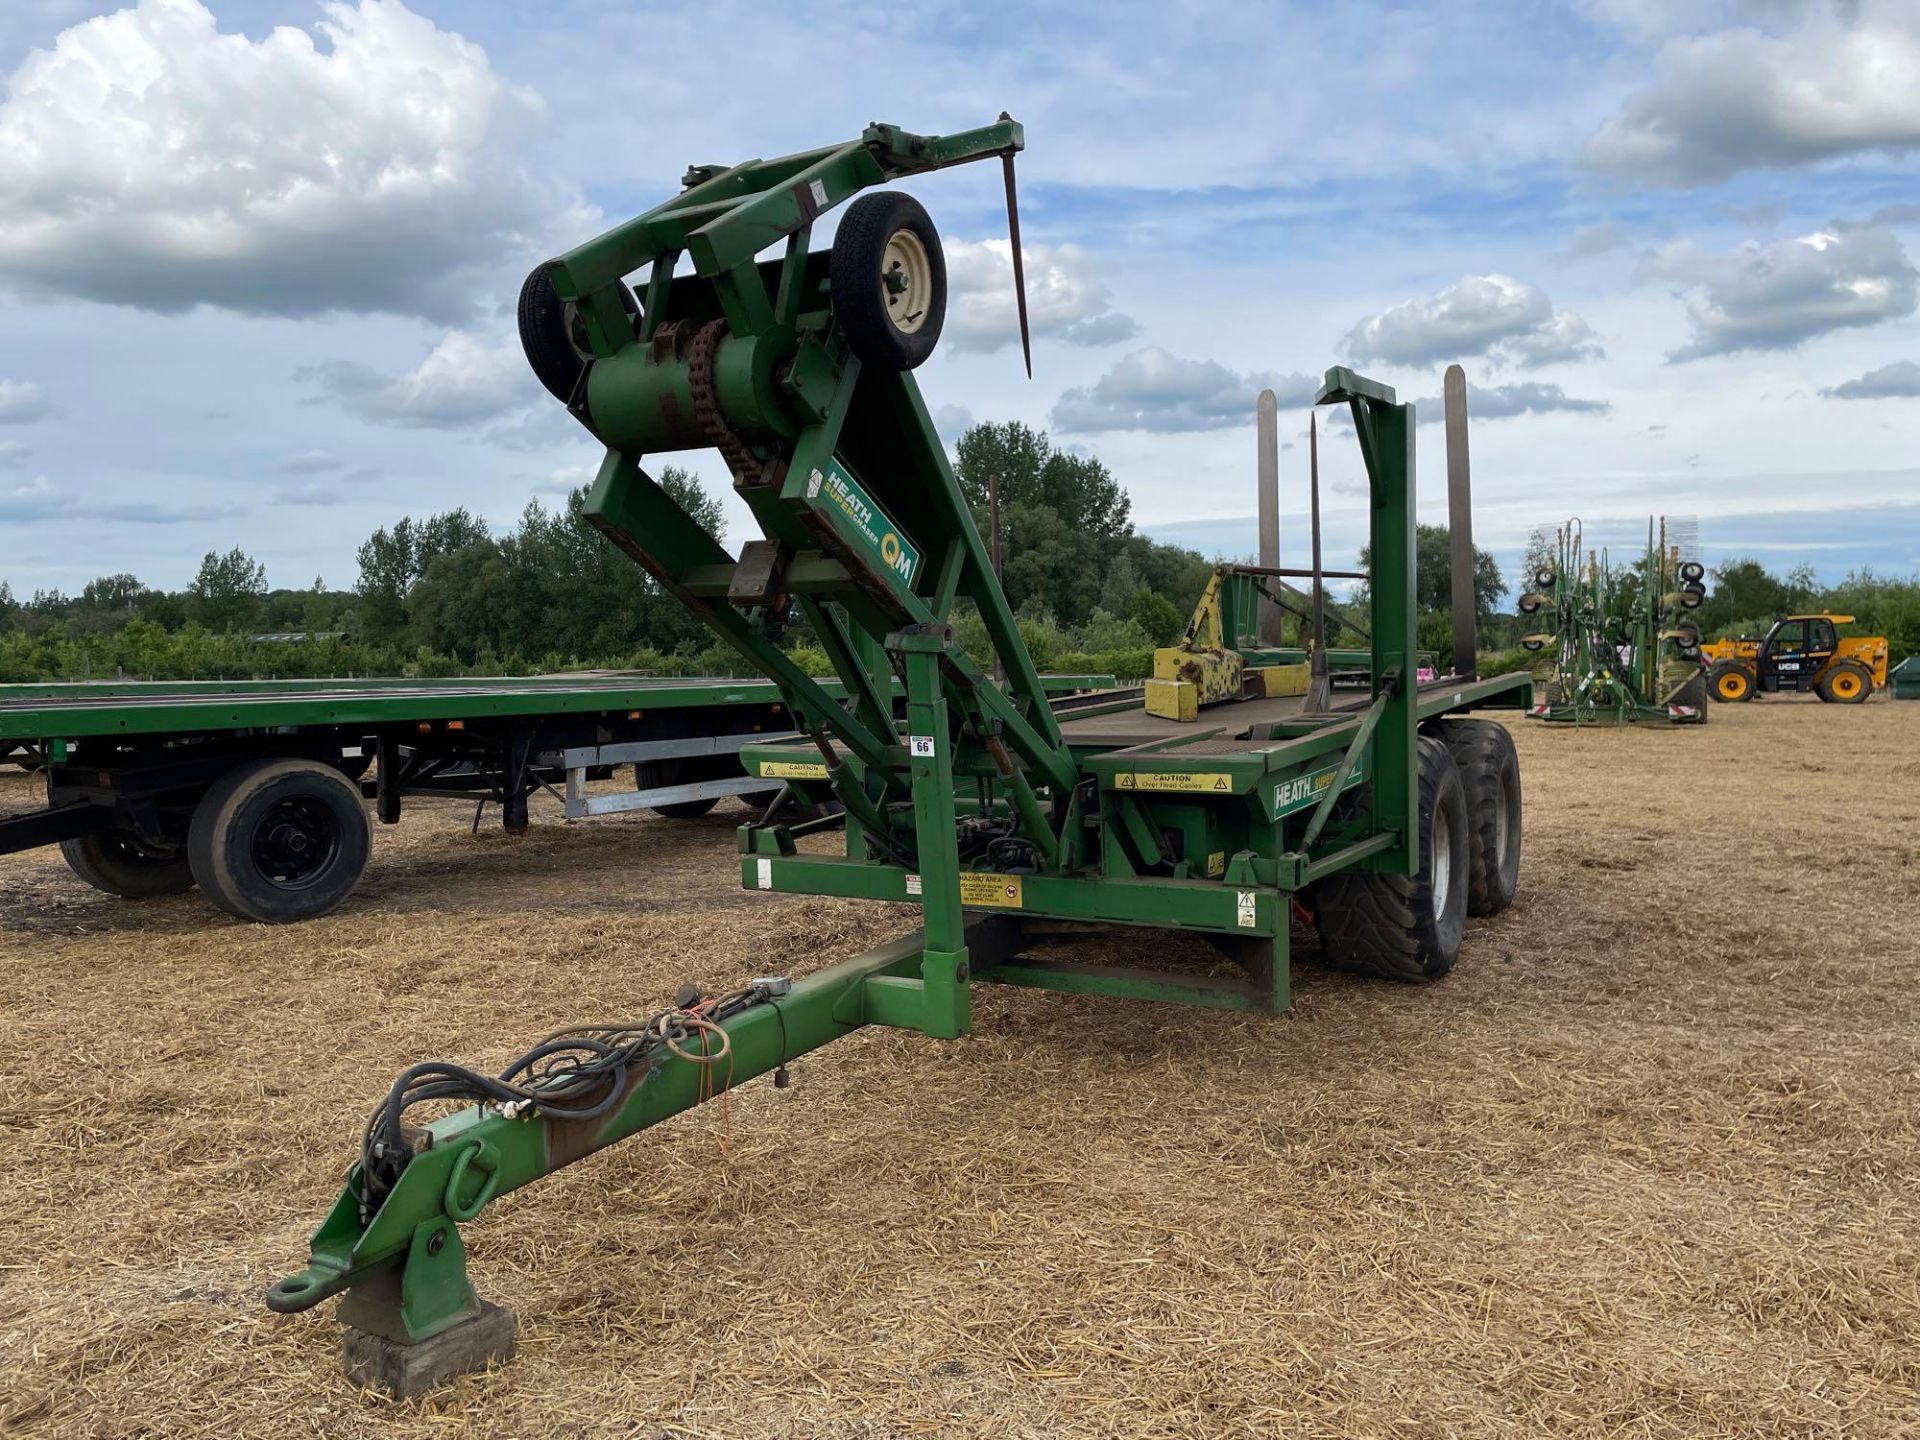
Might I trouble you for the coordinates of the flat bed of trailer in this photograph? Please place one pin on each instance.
(1232, 729)
(71, 712)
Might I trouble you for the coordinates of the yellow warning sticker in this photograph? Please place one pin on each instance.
(1217, 864)
(1204, 781)
(982, 887)
(793, 770)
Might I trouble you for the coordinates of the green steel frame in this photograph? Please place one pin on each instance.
(984, 810)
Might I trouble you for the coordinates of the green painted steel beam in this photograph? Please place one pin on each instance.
(1120, 983)
(1210, 905)
(408, 1292)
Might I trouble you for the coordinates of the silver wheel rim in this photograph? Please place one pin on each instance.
(906, 281)
(1442, 879)
(570, 325)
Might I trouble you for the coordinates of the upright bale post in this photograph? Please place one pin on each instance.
(1267, 427)
(1460, 527)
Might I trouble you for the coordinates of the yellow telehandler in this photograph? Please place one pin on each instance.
(1800, 653)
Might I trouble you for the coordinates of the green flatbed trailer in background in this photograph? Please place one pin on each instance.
(252, 789)
(1381, 815)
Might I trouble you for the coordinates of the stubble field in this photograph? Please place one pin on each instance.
(1646, 1164)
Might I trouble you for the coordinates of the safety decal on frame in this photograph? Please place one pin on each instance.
(1245, 905)
(984, 888)
(1206, 781)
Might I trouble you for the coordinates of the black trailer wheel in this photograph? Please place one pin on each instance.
(121, 863)
(1490, 773)
(1406, 927)
(550, 333)
(889, 280)
(1692, 692)
(279, 840)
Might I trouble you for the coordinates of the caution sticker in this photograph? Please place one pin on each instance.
(984, 888)
(1216, 864)
(1244, 910)
(793, 770)
(1204, 781)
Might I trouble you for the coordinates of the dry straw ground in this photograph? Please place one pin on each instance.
(1645, 1165)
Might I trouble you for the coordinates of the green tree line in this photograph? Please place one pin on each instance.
(446, 595)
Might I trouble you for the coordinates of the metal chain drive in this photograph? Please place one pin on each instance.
(745, 465)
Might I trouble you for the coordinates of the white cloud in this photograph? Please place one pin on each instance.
(321, 480)
(1153, 390)
(21, 403)
(1493, 315)
(1503, 402)
(35, 500)
(1588, 241)
(311, 492)
(1841, 83)
(13, 454)
(952, 421)
(565, 479)
(1650, 21)
(311, 462)
(1898, 381)
(40, 499)
(465, 381)
(1065, 300)
(1778, 294)
(149, 160)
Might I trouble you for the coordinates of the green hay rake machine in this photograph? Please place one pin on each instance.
(1381, 816)
(1623, 649)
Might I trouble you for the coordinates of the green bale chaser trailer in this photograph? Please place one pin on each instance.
(1382, 816)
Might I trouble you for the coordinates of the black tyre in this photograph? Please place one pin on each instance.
(1406, 927)
(550, 337)
(278, 841)
(1846, 683)
(121, 863)
(1692, 692)
(1490, 772)
(1730, 683)
(889, 280)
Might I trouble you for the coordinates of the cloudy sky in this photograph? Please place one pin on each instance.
(258, 257)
